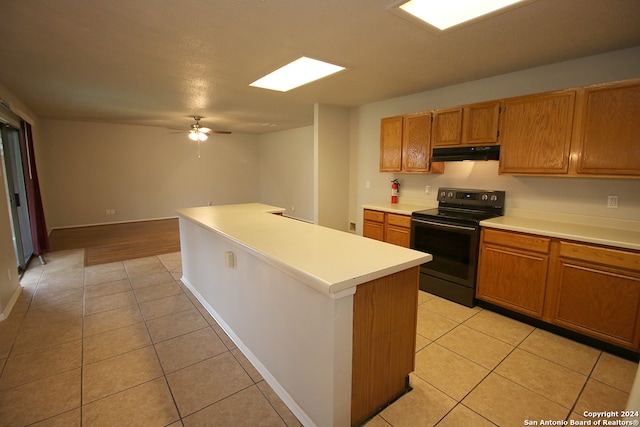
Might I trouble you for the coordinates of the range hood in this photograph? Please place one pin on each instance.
(456, 154)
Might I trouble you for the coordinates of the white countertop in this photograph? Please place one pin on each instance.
(619, 233)
(399, 208)
(609, 236)
(327, 260)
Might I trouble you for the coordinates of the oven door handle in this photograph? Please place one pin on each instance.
(444, 225)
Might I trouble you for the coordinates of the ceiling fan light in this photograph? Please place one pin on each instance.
(202, 136)
(193, 135)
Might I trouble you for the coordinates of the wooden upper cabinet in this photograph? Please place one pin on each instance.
(608, 135)
(391, 144)
(447, 127)
(480, 123)
(405, 144)
(535, 133)
(415, 143)
(466, 125)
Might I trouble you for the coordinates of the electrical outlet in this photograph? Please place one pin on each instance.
(427, 189)
(612, 202)
(229, 259)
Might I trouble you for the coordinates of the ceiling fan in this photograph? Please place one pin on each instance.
(201, 133)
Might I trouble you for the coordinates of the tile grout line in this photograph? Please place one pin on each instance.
(498, 364)
(155, 350)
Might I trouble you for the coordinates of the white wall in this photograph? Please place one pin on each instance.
(331, 154)
(141, 172)
(568, 195)
(286, 171)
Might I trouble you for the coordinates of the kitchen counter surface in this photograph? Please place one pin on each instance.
(621, 234)
(398, 208)
(328, 260)
(603, 231)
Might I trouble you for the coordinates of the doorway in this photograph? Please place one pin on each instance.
(16, 194)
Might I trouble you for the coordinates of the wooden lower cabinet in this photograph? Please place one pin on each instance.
(589, 289)
(512, 271)
(398, 229)
(387, 227)
(596, 291)
(373, 225)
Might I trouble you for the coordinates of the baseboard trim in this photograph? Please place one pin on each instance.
(12, 302)
(268, 377)
(111, 223)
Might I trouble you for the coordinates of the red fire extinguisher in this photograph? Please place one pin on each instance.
(395, 189)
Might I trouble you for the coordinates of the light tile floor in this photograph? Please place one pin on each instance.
(126, 344)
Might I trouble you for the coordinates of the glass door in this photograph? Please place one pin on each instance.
(17, 195)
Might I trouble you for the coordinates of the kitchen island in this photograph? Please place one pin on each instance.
(328, 318)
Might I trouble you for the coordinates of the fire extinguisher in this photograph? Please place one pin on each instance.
(395, 189)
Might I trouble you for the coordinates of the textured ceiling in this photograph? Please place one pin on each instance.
(158, 62)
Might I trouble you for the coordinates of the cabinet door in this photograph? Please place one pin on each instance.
(373, 230)
(415, 143)
(609, 141)
(512, 271)
(447, 127)
(398, 229)
(480, 123)
(535, 133)
(399, 236)
(596, 291)
(391, 144)
(373, 225)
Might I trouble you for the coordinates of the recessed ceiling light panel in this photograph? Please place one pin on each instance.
(297, 73)
(444, 14)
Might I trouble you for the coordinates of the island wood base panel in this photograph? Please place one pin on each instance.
(385, 314)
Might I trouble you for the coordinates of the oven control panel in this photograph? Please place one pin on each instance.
(467, 197)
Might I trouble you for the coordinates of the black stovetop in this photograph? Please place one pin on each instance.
(465, 206)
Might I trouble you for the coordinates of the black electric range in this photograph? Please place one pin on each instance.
(451, 234)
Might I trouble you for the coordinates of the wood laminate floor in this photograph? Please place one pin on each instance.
(118, 242)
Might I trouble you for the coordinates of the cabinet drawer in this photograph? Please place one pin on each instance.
(597, 255)
(399, 220)
(516, 240)
(376, 216)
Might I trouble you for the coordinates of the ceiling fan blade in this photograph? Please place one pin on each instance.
(197, 127)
